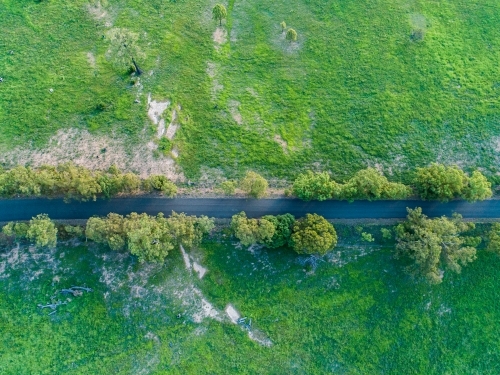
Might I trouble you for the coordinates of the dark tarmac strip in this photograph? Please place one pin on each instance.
(25, 209)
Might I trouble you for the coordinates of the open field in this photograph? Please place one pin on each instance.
(355, 313)
(355, 90)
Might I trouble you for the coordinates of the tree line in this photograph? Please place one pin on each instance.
(76, 182)
(435, 182)
(429, 246)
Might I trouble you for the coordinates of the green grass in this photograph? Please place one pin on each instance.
(354, 90)
(358, 315)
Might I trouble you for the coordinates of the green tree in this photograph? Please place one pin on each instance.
(494, 238)
(317, 186)
(160, 183)
(371, 184)
(386, 234)
(147, 237)
(283, 26)
(440, 182)
(186, 230)
(283, 225)
(432, 244)
(42, 231)
(219, 13)
(313, 234)
(252, 231)
(291, 35)
(478, 188)
(124, 50)
(254, 185)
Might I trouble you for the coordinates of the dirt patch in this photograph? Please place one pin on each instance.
(235, 113)
(99, 14)
(219, 36)
(173, 126)
(94, 152)
(155, 113)
(284, 145)
(232, 313)
(91, 59)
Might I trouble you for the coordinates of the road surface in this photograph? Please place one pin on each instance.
(25, 209)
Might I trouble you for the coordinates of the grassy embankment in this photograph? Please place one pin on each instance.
(354, 89)
(357, 314)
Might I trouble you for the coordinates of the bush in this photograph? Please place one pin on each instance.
(228, 187)
(161, 183)
(42, 231)
(367, 237)
(254, 185)
(252, 231)
(371, 184)
(283, 226)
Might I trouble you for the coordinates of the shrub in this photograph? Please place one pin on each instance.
(254, 185)
(371, 184)
(440, 182)
(251, 231)
(367, 237)
(161, 183)
(228, 187)
(291, 35)
(42, 231)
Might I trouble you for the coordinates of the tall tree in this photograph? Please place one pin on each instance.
(433, 243)
(254, 185)
(219, 13)
(440, 182)
(42, 231)
(313, 234)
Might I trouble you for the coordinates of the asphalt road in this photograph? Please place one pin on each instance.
(25, 209)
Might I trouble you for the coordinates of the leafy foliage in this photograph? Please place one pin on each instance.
(251, 231)
(283, 26)
(161, 183)
(313, 234)
(283, 225)
(123, 47)
(228, 187)
(440, 182)
(254, 185)
(147, 237)
(367, 237)
(478, 188)
(42, 231)
(372, 184)
(317, 186)
(433, 243)
(76, 182)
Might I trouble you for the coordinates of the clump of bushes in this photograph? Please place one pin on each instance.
(150, 238)
(79, 183)
(312, 234)
(40, 231)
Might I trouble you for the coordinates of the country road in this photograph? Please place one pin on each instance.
(24, 209)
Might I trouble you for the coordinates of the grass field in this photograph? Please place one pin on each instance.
(355, 90)
(354, 314)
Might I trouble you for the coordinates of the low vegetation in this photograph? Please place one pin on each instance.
(40, 231)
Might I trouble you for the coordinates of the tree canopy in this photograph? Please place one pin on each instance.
(440, 182)
(219, 13)
(254, 185)
(313, 234)
(283, 226)
(432, 244)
